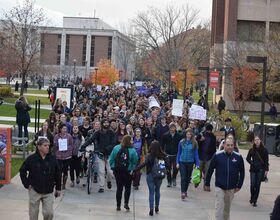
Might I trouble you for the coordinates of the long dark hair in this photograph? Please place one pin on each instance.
(255, 146)
(155, 150)
(126, 142)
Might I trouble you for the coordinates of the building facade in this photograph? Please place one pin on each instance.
(76, 48)
(239, 22)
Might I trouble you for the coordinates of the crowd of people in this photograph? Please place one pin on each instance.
(119, 122)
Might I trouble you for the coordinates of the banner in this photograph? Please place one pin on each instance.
(65, 94)
(214, 80)
(197, 112)
(177, 107)
(153, 102)
(5, 154)
(138, 83)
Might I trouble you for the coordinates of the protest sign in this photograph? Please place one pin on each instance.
(98, 88)
(153, 102)
(177, 107)
(138, 83)
(197, 112)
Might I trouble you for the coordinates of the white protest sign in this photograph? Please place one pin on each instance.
(98, 88)
(197, 112)
(138, 83)
(121, 84)
(64, 94)
(153, 102)
(106, 87)
(62, 144)
(177, 107)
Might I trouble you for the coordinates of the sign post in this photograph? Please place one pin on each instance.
(214, 80)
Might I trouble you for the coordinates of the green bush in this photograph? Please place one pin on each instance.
(5, 90)
(236, 123)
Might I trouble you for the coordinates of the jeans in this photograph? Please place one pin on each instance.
(20, 130)
(123, 179)
(154, 190)
(172, 170)
(64, 166)
(186, 172)
(75, 166)
(256, 179)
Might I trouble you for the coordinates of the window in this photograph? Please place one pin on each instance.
(253, 31)
(84, 50)
(109, 48)
(274, 31)
(92, 51)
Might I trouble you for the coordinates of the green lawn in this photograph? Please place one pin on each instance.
(257, 118)
(16, 164)
(30, 99)
(10, 111)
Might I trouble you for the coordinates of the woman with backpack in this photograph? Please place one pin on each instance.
(155, 156)
(123, 160)
(187, 156)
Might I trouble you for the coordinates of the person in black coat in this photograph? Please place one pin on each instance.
(206, 149)
(23, 117)
(170, 141)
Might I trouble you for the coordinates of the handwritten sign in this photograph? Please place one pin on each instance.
(197, 112)
(98, 88)
(62, 144)
(177, 107)
(153, 102)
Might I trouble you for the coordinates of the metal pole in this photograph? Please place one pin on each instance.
(39, 106)
(207, 87)
(263, 98)
(36, 116)
(185, 85)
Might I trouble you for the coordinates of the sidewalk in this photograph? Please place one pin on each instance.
(200, 205)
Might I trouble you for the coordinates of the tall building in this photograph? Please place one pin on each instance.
(233, 21)
(76, 48)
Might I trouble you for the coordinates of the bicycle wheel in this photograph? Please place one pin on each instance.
(89, 180)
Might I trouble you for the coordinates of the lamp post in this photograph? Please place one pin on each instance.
(263, 60)
(185, 82)
(96, 69)
(169, 79)
(120, 73)
(207, 69)
(74, 62)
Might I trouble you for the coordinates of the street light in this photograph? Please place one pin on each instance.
(185, 83)
(120, 73)
(96, 69)
(263, 60)
(169, 78)
(74, 61)
(207, 69)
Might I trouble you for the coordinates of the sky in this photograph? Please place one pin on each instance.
(113, 12)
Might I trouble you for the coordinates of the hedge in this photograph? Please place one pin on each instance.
(5, 90)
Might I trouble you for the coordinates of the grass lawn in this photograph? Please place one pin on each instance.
(16, 164)
(31, 100)
(10, 111)
(257, 118)
(33, 91)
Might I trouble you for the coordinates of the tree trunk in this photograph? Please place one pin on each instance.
(22, 83)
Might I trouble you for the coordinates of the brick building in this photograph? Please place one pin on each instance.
(76, 48)
(239, 21)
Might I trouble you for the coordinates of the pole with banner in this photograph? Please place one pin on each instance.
(214, 80)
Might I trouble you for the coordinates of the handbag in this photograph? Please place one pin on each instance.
(264, 177)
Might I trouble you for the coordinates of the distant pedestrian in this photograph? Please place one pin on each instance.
(25, 86)
(39, 174)
(16, 86)
(49, 90)
(229, 174)
(22, 117)
(273, 112)
(257, 157)
(221, 105)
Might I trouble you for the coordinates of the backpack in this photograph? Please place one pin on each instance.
(122, 160)
(159, 169)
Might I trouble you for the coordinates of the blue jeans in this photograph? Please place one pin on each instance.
(185, 172)
(256, 179)
(154, 190)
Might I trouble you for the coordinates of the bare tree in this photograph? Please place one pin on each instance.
(22, 25)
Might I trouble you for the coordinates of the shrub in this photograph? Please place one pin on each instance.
(5, 90)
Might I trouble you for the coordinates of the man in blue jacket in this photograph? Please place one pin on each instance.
(229, 167)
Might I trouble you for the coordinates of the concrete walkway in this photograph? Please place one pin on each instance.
(31, 94)
(76, 204)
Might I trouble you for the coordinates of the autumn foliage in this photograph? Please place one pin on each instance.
(107, 74)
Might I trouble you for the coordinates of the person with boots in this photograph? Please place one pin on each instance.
(104, 141)
(63, 144)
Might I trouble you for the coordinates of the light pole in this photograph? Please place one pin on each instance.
(185, 82)
(96, 69)
(74, 61)
(207, 69)
(120, 73)
(169, 79)
(263, 60)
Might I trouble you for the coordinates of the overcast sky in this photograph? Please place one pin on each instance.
(113, 12)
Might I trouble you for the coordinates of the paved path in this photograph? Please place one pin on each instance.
(46, 107)
(31, 94)
(76, 204)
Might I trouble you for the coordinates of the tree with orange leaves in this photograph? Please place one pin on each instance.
(179, 80)
(106, 74)
(244, 83)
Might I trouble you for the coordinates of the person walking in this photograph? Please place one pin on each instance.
(187, 156)
(22, 117)
(123, 160)
(63, 143)
(257, 157)
(229, 166)
(170, 141)
(155, 154)
(39, 174)
(221, 105)
(45, 132)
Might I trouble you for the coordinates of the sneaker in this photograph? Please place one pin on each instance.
(174, 182)
(183, 196)
(126, 207)
(151, 213)
(118, 208)
(78, 180)
(101, 190)
(109, 185)
(136, 187)
(254, 204)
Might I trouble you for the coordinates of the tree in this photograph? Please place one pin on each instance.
(22, 26)
(244, 83)
(165, 37)
(106, 74)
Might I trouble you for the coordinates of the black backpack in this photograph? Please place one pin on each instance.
(122, 160)
(159, 169)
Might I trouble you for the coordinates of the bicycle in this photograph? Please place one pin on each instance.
(216, 121)
(92, 167)
(245, 122)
